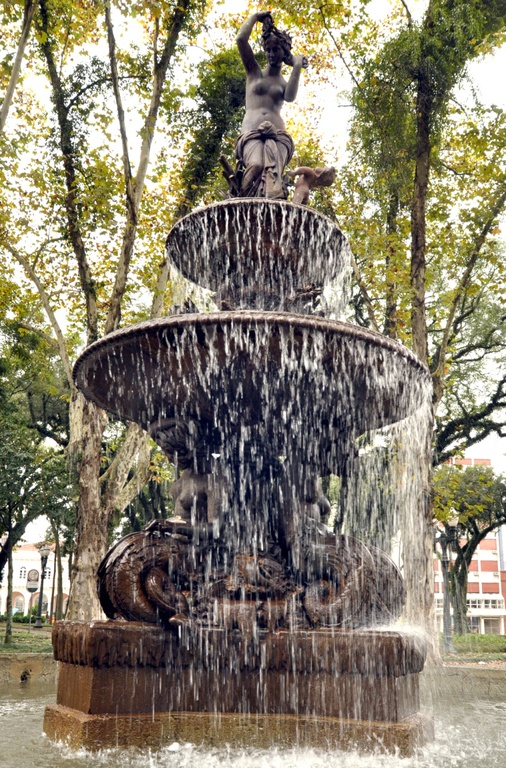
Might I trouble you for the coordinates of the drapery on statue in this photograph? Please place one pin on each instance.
(264, 148)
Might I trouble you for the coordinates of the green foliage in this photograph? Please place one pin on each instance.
(213, 123)
(32, 382)
(477, 645)
(34, 477)
(477, 498)
(404, 111)
(384, 120)
(430, 58)
(21, 618)
(475, 494)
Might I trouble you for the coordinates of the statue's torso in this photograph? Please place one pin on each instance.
(264, 99)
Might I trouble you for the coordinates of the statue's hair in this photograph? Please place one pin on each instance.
(282, 38)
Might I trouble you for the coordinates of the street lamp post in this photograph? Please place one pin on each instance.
(44, 554)
(446, 540)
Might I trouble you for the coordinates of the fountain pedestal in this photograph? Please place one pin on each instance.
(135, 684)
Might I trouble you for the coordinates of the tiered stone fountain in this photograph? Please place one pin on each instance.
(244, 619)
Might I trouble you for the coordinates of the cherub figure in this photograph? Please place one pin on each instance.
(309, 178)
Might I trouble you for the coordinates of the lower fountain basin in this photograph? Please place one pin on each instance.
(303, 385)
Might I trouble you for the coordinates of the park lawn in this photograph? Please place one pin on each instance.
(23, 641)
(473, 647)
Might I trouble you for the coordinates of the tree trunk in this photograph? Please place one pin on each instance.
(391, 319)
(418, 222)
(29, 12)
(8, 610)
(459, 599)
(92, 524)
(59, 585)
(424, 106)
(13, 536)
(53, 585)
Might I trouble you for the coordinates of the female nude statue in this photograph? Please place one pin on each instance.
(264, 148)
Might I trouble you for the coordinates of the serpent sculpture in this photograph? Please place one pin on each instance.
(160, 576)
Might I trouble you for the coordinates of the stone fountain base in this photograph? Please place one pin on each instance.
(135, 684)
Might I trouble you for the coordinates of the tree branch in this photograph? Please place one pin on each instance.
(100, 81)
(498, 206)
(160, 288)
(365, 294)
(160, 70)
(461, 427)
(408, 14)
(338, 48)
(28, 14)
(134, 449)
(60, 341)
(47, 338)
(87, 282)
(127, 168)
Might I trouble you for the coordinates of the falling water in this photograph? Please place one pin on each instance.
(268, 256)
(255, 404)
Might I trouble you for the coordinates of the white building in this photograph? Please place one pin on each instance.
(26, 561)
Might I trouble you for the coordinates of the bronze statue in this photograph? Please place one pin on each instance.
(264, 148)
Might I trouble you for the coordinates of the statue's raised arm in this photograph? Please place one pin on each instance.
(248, 57)
(264, 148)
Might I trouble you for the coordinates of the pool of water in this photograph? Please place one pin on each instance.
(468, 733)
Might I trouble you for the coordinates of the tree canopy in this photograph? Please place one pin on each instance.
(112, 126)
(474, 498)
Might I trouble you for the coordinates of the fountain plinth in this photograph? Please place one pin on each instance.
(244, 619)
(276, 689)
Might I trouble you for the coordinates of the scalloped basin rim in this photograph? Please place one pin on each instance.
(271, 247)
(272, 372)
(253, 201)
(243, 317)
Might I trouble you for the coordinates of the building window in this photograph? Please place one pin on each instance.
(492, 626)
(22, 572)
(485, 603)
(18, 604)
(47, 573)
(35, 602)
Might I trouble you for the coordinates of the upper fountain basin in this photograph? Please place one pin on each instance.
(258, 253)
